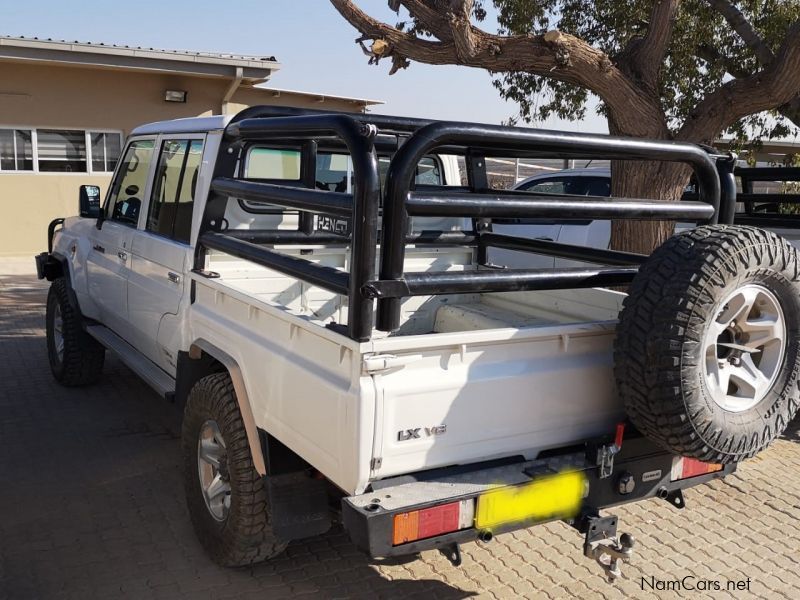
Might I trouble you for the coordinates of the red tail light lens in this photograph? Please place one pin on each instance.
(430, 522)
(684, 468)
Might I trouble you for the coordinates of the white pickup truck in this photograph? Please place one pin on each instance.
(301, 284)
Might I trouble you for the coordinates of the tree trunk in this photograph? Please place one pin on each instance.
(645, 180)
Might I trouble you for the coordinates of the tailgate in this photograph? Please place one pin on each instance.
(481, 399)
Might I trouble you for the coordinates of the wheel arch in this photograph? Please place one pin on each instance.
(204, 358)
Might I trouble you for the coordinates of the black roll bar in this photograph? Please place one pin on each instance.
(325, 277)
(358, 137)
(361, 135)
(516, 280)
(486, 140)
(328, 203)
(561, 250)
(563, 207)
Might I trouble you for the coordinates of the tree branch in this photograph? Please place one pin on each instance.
(746, 31)
(644, 57)
(554, 55)
(764, 55)
(775, 85)
(463, 35)
(431, 19)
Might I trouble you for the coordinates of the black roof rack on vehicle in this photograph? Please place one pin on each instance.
(358, 134)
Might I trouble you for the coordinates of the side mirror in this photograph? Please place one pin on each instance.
(89, 201)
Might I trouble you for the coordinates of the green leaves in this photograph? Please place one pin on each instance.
(704, 53)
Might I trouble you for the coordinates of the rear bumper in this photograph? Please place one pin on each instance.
(369, 518)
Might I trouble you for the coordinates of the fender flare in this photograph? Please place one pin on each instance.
(196, 350)
(56, 266)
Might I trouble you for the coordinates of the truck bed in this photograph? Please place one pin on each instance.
(456, 383)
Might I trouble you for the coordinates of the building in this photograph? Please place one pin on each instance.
(66, 107)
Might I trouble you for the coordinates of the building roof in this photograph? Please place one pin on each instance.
(255, 69)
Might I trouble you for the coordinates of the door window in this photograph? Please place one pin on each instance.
(174, 186)
(572, 185)
(125, 198)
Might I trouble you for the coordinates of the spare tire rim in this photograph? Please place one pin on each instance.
(744, 348)
(58, 333)
(212, 464)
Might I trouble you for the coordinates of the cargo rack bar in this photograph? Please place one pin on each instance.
(358, 139)
(485, 140)
(357, 214)
(764, 209)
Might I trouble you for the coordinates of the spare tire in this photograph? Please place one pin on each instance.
(707, 353)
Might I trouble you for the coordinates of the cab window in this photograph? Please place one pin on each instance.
(125, 197)
(334, 172)
(273, 163)
(174, 187)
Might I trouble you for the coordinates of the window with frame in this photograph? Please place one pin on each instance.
(125, 197)
(59, 150)
(273, 163)
(174, 187)
(105, 149)
(16, 150)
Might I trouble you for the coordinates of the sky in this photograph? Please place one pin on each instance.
(313, 43)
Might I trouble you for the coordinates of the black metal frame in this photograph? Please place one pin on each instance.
(361, 134)
(754, 204)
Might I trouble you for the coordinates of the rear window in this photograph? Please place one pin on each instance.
(334, 172)
(272, 163)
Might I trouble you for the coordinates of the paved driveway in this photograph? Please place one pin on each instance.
(91, 506)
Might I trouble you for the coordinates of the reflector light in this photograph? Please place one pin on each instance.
(430, 522)
(683, 468)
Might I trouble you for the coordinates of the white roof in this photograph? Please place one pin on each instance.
(188, 125)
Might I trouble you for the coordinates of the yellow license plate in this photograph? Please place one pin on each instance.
(548, 497)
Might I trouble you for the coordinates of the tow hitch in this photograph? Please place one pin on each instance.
(602, 545)
(452, 553)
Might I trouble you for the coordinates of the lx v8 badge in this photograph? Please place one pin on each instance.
(418, 432)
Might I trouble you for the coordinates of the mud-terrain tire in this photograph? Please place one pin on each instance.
(233, 526)
(708, 343)
(75, 357)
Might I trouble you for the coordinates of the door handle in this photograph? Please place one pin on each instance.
(99, 248)
(174, 277)
(122, 255)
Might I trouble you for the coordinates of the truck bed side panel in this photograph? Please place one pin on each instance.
(475, 401)
(303, 387)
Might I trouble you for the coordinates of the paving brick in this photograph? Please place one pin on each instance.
(97, 511)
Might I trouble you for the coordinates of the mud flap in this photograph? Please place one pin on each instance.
(299, 505)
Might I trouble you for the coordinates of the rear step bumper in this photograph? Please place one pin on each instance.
(640, 471)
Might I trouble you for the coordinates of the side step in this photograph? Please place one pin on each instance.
(134, 360)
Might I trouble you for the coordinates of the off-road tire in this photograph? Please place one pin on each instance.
(83, 356)
(245, 536)
(659, 361)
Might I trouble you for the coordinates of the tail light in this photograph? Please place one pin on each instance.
(683, 468)
(430, 522)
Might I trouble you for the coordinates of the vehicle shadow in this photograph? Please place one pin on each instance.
(93, 503)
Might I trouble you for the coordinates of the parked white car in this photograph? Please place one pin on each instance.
(576, 182)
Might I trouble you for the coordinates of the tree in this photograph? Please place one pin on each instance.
(684, 70)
